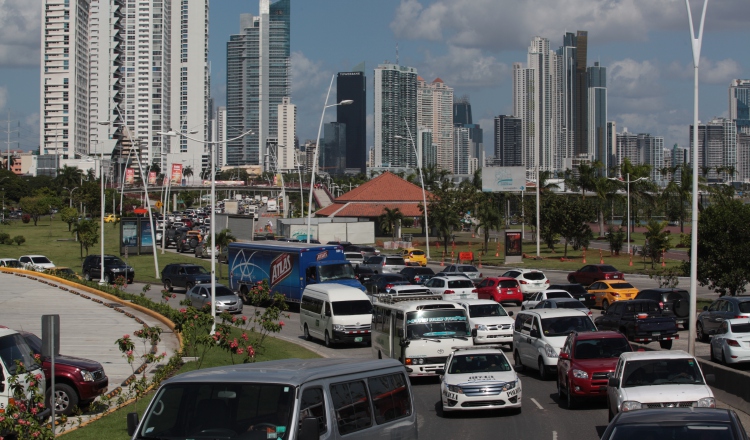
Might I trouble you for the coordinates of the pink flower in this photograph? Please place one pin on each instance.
(164, 354)
(234, 319)
(281, 323)
(38, 376)
(244, 336)
(129, 352)
(126, 337)
(183, 310)
(34, 410)
(244, 318)
(174, 295)
(37, 356)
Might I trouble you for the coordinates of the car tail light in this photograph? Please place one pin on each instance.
(524, 282)
(449, 292)
(480, 275)
(383, 263)
(388, 286)
(546, 282)
(615, 294)
(642, 315)
(474, 291)
(732, 343)
(661, 305)
(417, 279)
(606, 276)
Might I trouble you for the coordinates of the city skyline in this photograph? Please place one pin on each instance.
(645, 49)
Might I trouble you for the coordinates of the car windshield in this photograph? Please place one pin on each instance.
(508, 284)
(558, 295)
(661, 372)
(113, 261)
(224, 291)
(534, 276)
(40, 260)
(482, 363)
(460, 284)
(744, 307)
(398, 261)
(419, 253)
(622, 286)
(467, 269)
(564, 325)
(573, 304)
(196, 270)
(486, 310)
(682, 430)
(437, 323)
(202, 410)
(601, 348)
(740, 328)
(607, 269)
(359, 307)
(336, 272)
(14, 348)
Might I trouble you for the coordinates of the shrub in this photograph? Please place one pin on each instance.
(26, 218)
(4, 237)
(19, 240)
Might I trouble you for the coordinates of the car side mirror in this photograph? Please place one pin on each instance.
(613, 382)
(132, 419)
(534, 333)
(510, 313)
(473, 333)
(711, 379)
(603, 312)
(705, 308)
(564, 356)
(440, 372)
(309, 429)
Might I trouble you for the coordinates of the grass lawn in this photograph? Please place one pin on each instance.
(114, 426)
(52, 239)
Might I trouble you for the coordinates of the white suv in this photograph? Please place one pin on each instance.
(529, 280)
(452, 287)
(494, 325)
(36, 262)
(658, 379)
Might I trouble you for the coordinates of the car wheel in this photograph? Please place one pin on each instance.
(87, 276)
(686, 325)
(443, 413)
(167, 285)
(559, 389)
(605, 305)
(65, 399)
(712, 356)
(307, 333)
(610, 414)
(570, 401)
(189, 286)
(193, 242)
(543, 372)
(517, 364)
(666, 345)
(523, 307)
(109, 279)
(328, 340)
(701, 334)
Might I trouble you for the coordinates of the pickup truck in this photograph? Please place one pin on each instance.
(641, 320)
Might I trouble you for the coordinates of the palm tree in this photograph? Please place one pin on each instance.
(223, 238)
(657, 240)
(187, 172)
(488, 216)
(390, 219)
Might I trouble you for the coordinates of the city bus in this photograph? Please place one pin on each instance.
(418, 331)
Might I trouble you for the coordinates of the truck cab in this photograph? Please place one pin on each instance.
(339, 272)
(13, 349)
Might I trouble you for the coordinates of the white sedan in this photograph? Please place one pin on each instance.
(479, 378)
(452, 287)
(536, 298)
(731, 343)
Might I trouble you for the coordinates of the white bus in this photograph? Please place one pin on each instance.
(419, 331)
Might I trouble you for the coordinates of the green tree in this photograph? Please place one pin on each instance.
(616, 239)
(87, 233)
(187, 172)
(488, 215)
(389, 220)
(19, 240)
(658, 240)
(443, 210)
(571, 222)
(223, 238)
(69, 216)
(37, 206)
(723, 254)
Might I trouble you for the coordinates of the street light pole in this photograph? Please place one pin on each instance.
(317, 151)
(421, 179)
(627, 183)
(696, 46)
(101, 213)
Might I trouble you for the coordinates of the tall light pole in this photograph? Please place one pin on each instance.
(696, 46)
(101, 213)
(421, 180)
(70, 198)
(317, 151)
(213, 212)
(628, 182)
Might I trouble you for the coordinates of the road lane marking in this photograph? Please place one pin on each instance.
(554, 435)
(536, 403)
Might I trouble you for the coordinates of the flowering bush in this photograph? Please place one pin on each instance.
(150, 338)
(19, 420)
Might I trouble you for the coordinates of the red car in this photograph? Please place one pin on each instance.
(500, 290)
(585, 363)
(595, 272)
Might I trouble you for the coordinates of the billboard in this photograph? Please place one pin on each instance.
(152, 178)
(176, 173)
(129, 176)
(500, 179)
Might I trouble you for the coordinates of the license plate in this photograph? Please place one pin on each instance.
(462, 296)
(656, 333)
(358, 339)
(616, 276)
(582, 299)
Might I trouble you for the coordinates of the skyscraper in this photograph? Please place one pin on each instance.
(462, 111)
(572, 81)
(627, 147)
(717, 149)
(353, 85)
(462, 118)
(508, 141)
(739, 104)
(651, 152)
(435, 112)
(333, 151)
(395, 110)
(287, 129)
(461, 154)
(580, 96)
(257, 80)
(597, 112)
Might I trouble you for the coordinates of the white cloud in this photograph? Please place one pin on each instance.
(634, 85)
(710, 72)
(20, 33)
(310, 81)
(465, 68)
(498, 26)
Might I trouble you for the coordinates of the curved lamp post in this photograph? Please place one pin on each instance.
(213, 212)
(317, 150)
(424, 198)
(628, 182)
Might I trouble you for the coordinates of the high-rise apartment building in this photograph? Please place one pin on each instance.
(571, 78)
(258, 63)
(333, 152)
(461, 152)
(627, 147)
(717, 149)
(353, 85)
(395, 115)
(612, 164)
(435, 112)
(651, 152)
(508, 141)
(220, 136)
(743, 157)
(64, 104)
(426, 148)
(462, 111)
(462, 118)
(286, 132)
(739, 104)
(597, 113)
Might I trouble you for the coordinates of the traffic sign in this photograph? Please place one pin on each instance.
(159, 205)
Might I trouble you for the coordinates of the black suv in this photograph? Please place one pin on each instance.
(184, 275)
(675, 301)
(114, 267)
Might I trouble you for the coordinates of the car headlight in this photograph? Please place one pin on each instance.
(116, 269)
(455, 389)
(707, 402)
(550, 351)
(87, 376)
(481, 327)
(338, 328)
(580, 374)
(630, 405)
(510, 385)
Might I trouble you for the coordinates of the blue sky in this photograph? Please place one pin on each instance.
(470, 44)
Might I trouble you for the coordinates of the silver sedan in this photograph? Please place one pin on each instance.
(226, 300)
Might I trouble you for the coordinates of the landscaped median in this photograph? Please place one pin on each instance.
(237, 339)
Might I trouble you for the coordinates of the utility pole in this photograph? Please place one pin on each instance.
(8, 132)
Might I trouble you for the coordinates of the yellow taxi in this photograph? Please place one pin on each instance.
(608, 291)
(111, 218)
(414, 256)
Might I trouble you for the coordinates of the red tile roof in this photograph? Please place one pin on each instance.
(355, 209)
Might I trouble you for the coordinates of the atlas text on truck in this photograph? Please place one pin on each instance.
(288, 267)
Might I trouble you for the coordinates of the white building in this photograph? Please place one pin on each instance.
(435, 113)
(286, 130)
(395, 109)
(220, 136)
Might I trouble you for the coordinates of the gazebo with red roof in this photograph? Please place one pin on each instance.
(369, 199)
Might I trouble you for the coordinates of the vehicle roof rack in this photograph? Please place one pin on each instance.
(478, 347)
(392, 299)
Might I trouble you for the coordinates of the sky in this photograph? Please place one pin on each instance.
(470, 44)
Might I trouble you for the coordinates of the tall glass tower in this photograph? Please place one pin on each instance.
(395, 110)
(353, 85)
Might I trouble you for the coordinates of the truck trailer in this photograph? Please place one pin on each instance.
(288, 267)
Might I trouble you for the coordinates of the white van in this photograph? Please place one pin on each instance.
(13, 348)
(493, 323)
(335, 313)
(291, 399)
(540, 334)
